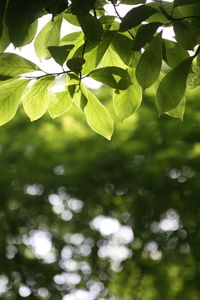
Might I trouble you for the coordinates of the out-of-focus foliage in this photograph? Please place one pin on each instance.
(84, 218)
(129, 53)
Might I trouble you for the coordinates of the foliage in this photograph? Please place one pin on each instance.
(129, 54)
(63, 188)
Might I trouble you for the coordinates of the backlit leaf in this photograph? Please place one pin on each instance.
(91, 27)
(36, 100)
(144, 35)
(10, 97)
(185, 34)
(12, 65)
(178, 112)
(173, 53)
(60, 53)
(60, 103)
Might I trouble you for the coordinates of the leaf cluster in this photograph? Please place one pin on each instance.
(129, 54)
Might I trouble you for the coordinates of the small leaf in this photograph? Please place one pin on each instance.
(126, 102)
(60, 53)
(97, 116)
(60, 103)
(172, 87)
(48, 36)
(10, 97)
(144, 35)
(115, 77)
(12, 65)
(75, 64)
(91, 27)
(185, 34)
(36, 99)
(178, 112)
(149, 65)
(136, 16)
(72, 19)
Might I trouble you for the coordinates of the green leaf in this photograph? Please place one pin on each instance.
(132, 2)
(10, 97)
(172, 87)
(179, 111)
(97, 116)
(91, 27)
(75, 64)
(60, 103)
(2, 11)
(36, 99)
(12, 65)
(185, 2)
(136, 16)
(185, 34)
(149, 65)
(124, 47)
(115, 77)
(111, 58)
(4, 40)
(144, 35)
(72, 19)
(60, 53)
(126, 102)
(48, 36)
(173, 53)
(72, 38)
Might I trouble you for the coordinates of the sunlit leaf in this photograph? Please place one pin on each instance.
(12, 65)
(124, 47)
(97, 116)
(10, 97)
(178, 112)
(36, 100)
(48, 36)
(60, 103)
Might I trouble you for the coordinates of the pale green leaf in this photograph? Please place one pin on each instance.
(10, 97)
(178, 112)
(60, 103)
(12, 65)
(126, 102)
(48, 36)
(36, 100)
(97, 116)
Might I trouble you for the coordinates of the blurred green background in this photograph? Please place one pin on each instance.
(83, 218)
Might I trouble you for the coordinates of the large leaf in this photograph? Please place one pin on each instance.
(10, 97)
(144, 35)
(4, 40)
(127, 101)
(136, 16)
(115, 77)
(60, 103)
(185, 2)
(172, 87)
(48, 36)
(149, 65)
(173, 53)
(12, 65)
(124, 47)
(97, 116)
(91, 27)
(36, 100)
(185, 34)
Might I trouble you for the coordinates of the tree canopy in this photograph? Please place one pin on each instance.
(128, 53)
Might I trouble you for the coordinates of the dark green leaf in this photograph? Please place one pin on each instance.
(80, 7)
(60, 53)
(172, 87)
(75, 64)
(149, 65)
(2, 12)
(136, 16)
(132, 2)
(115, 77)
(185, 2)
(91, 27)
(144, 35)
(185, 34)
(124, 47)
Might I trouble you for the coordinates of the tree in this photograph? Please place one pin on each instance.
(67, 213)
(129, 54)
